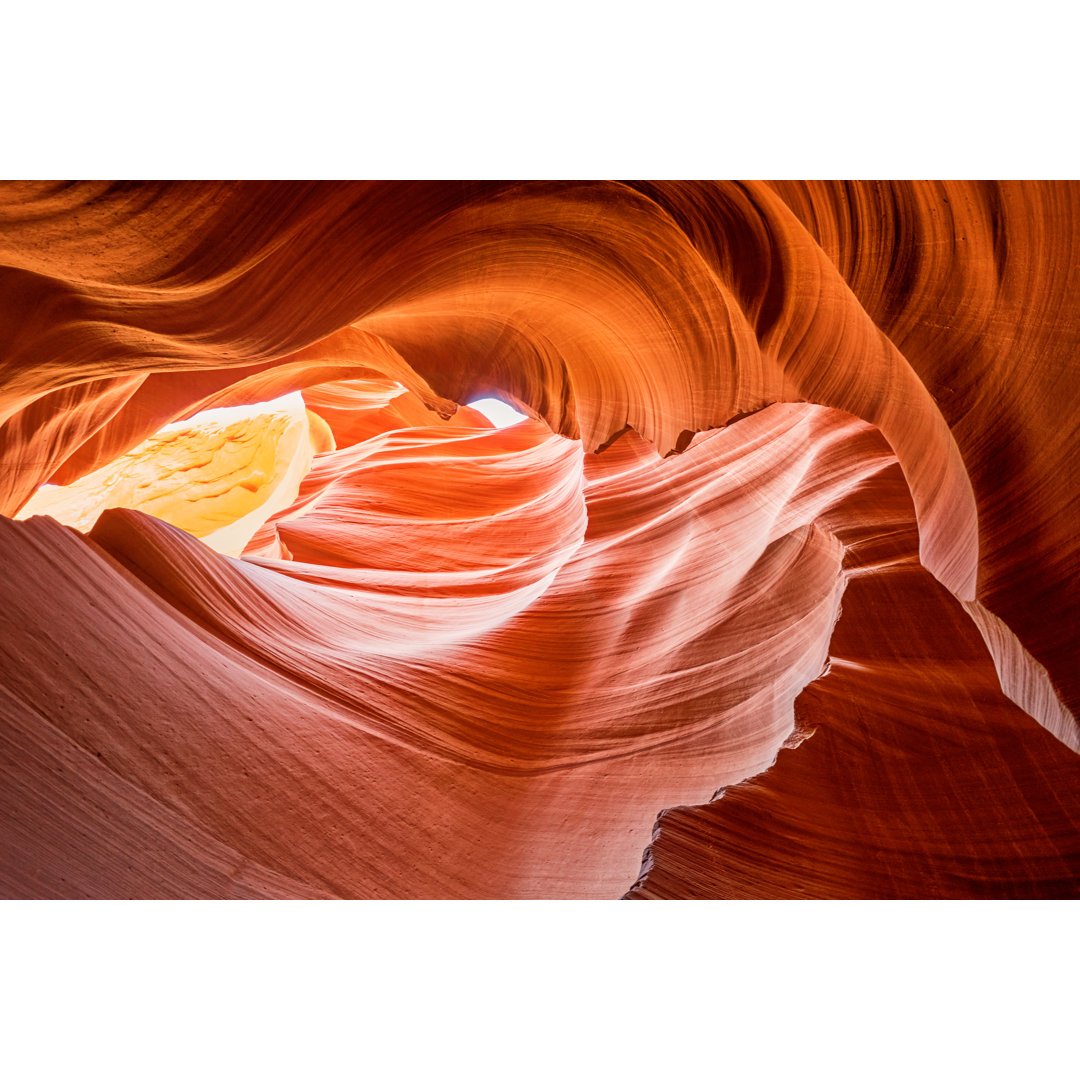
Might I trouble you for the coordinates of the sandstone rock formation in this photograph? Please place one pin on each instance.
(219, 476)
(786, 552)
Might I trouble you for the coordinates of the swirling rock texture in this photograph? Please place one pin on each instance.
(773, 595)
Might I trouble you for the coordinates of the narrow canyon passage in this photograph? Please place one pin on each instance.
(783, 551)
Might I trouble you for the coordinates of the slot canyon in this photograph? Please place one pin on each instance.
(772, 592)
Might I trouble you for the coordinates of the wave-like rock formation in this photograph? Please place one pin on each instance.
(773, 595)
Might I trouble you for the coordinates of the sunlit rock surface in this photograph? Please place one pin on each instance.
(219, 475)
(785, 550)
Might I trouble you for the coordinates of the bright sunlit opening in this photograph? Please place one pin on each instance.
(219, 475)
(498, 412)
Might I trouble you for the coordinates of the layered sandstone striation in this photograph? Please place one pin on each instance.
(786, 552)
